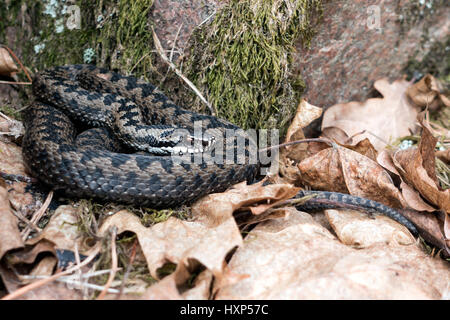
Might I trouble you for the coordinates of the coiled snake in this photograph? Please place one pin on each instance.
(124, 114)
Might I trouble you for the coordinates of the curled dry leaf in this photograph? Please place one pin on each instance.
(381, 119)
(10, 237)
(62, 231)
(7, 65)
(289, 155)
(428, 93)
(296, 258)
(11, 162)
(444, 155)
(411, 196)
(342, 170)
(365, 148)
(178, 241)
(417, 168)
(217, 207)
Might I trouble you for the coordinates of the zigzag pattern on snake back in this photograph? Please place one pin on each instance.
(94, 163)
(123, 114)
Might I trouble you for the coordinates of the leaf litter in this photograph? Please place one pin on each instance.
(250, 242)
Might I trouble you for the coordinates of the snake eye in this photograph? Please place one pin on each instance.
(180, 153)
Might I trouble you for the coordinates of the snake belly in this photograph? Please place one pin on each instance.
(70, 146)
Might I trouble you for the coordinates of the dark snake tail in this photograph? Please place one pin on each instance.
(337, 200)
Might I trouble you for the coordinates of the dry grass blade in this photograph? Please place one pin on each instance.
(114, 268)
(37, 216)
(43, 282)
(160, 50)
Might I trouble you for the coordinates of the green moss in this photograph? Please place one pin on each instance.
(117, 31)
(10, 112)
(241, 60)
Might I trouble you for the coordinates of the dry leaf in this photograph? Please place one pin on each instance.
(427, 93)
(306, 113)
(417, 168)
(11, 162)
(444, 155)
(217, 207)
(7, 65)
(298, 259)
(365, 148)
(290, 155)
(179, 241)
(381, 119)
(411, 196)
(10, 237)
(62, 230)
(358, 230)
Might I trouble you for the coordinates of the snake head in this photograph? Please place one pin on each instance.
(186, 142)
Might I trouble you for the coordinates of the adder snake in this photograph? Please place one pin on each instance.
(123, 114)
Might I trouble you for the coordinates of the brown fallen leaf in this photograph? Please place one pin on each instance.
(10, 237)
(306, 113)
(342, 170)
(62, 231)
(358, 230)
(217, 207)
(411, 196)
(295, 258)
(290, 155)
(51, 291)
(428, 93)
(417, 168)
(11, 162)
(7, 65)
(381, 119)
(365, 148)
(179, 242)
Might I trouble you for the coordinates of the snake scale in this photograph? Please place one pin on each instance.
(95, 133)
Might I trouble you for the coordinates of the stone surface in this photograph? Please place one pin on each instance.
(351, 50)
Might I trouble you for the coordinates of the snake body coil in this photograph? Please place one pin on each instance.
(61, 155)
(123, 114)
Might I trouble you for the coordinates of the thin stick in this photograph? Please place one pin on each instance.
(114, 268)
(160, 50)
(21, 66)
(331, 143)
(127, 271)
(37, 215)
(40, 283)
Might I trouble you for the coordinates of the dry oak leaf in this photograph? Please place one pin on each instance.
(179, 241)
(343, 170)
(217, 207)
(11, 162)
(7, 65)
(62, 230)
(289, 155)
(427, 93)
(10, 237)
(377, 119)
(417, 167)
(296, 258)
(306, 113)
(411, 196)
